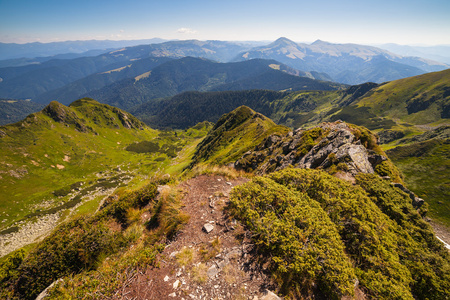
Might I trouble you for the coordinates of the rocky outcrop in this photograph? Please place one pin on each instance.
(387, 136)
(63, 114)
(330, 145)
(127, 120)
(416, 201)
(44, 294)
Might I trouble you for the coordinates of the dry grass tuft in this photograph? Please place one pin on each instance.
(199, 273)
(186, 256)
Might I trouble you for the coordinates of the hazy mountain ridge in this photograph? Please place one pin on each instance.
(347, 63)
(20, 62)
(437, 53)
(77, 89)
(37, 49)
(54, 74)
(342, 60)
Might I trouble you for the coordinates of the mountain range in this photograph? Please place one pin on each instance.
(9, 51)
(345, 63)
(197, 74)
(66, 79)
(399, 105)
(438, 53)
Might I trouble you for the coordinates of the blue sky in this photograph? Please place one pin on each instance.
(345, 21)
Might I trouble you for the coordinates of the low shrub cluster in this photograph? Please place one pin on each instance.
(321, 231)
(292, 229)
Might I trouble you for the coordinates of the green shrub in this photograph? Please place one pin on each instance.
(75, 246)
(143, 147)
(8, 269)
(419, 249)
(293, 229)
(118, 209)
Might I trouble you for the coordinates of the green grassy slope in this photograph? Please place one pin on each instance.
(417, 100)
(62, 148)
(401, 104)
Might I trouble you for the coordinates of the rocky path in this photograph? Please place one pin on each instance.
(28, 233)
(223, 264)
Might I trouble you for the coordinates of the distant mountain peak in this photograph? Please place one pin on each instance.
(320, 42)
(283, 41)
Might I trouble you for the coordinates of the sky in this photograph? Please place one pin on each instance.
(406, 22)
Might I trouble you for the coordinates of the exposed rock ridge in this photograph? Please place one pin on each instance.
(325, 146)
(63, 114)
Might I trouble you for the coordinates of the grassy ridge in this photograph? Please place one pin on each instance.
(417, 100)
(233, 135)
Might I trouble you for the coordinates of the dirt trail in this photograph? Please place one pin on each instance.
(231, 273)
(442, 233)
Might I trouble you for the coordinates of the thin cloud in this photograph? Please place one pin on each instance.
(185, 30)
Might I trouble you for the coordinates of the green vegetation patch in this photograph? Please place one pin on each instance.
(143, 147)
(392, 252)
(363, 117)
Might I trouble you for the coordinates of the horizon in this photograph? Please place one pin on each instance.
(358, 22)
(237, 41)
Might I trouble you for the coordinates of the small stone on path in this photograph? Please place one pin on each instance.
(175, 284)
(270, 296)
(208, 227)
